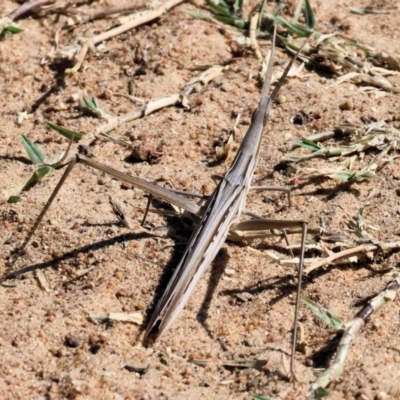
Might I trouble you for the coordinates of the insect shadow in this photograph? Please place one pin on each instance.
(72, 254)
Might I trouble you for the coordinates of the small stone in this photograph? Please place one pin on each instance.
(95, 344)
(72, 341)
(126, 186)
(347, 105)
(251, 89)
(281, 99)
(145, 152)
(298, 119)
(245, 296)
(140, 369)
(58, 352)
(382, 396)
(253, 341)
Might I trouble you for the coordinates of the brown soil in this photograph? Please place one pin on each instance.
(49, 348)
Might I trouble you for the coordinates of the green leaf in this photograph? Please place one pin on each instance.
(344, 176)
(309, 14)
(224, 4)
(309, 144)
(223, 15)
(323, 314)
(365, 175)
(267, 24)
(238, 7)
(348, 176)
(321, 392)
(297, 29)
(89, 102)
(65, 132)
(91, 105)
(237, 22)
(14, 199)
(10, 30)
(198, 15)
(221, 8)
(297, 12)
(34, 153)
(258, 397)
(36, 177)
(359, 217)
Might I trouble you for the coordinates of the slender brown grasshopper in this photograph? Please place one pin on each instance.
(219, 216)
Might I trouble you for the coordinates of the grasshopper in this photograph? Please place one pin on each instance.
(223, 209)
(219, 216)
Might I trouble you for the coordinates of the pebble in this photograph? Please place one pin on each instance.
(347, 105)
(72, 341)
(253, 341)
(281, 99)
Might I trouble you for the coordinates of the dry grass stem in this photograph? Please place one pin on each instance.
(352, 329)
(29, 6)
(165, 101)
(136, 20)
(253, 35)
(352, 255)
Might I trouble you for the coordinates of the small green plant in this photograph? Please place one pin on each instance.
(7, 27)
(91, 106)
(233, 15)
(335, 53)
(38, 157)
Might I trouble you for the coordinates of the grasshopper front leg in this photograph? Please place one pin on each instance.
(155, 190)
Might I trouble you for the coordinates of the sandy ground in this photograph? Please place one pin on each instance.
(49, 348)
